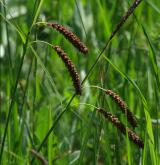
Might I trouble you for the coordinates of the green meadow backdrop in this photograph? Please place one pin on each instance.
(42, 121)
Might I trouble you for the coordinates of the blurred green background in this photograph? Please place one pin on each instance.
(35, 86)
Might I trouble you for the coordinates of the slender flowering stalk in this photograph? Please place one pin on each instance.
(116, 29)
(71, 68)
(125, 17)
(114, 120)
(130, 117)
(70, 36)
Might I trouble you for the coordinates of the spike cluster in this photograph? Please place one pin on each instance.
(71, 68)
(70, 36)
(114, 120)
(130, 117)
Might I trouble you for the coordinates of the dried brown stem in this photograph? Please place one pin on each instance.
(39, 157)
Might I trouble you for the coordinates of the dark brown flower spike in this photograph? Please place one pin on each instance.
(130, 117)
(71, 68)
(114, 120)
(70, 36)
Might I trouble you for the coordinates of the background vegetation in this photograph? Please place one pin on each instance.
(35, 87)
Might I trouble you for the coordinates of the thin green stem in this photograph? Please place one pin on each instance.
(25, 45)
(53, 126)
(81, 18)
(39, 41)
(8, 45)
(13, 97)
(118, 27)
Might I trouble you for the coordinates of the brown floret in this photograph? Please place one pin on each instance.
(130, 117)
(70, 36)
(115, 121)
(71, 68)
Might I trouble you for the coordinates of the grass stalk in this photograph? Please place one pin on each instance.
(53, 126)
(118, 27)
(25, 45)
(13, 96)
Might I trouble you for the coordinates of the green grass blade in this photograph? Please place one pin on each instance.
(153, 6)
(13, 99)
(37, 13)
(152, 56)
(23, 38)
(146, 109)
(47, 73)
(53, 125)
